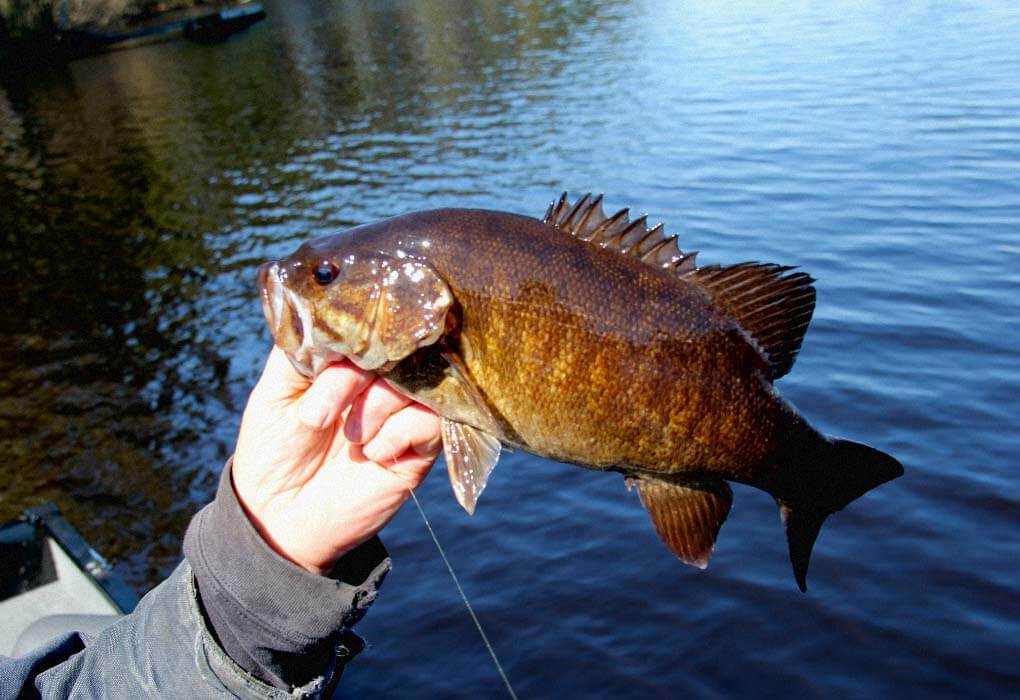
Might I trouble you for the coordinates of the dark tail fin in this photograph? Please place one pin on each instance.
(841, 472)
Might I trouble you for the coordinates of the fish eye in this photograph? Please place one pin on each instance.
(325, 273)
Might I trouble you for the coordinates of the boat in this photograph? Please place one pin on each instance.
(48, 573)
(202, 24)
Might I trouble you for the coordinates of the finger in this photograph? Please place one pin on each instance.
(410, 468)
(331, 393)
(414, 428)
(371, 409)
(279, 379)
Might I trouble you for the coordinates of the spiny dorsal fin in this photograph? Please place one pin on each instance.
(586, 220)
(773, 307)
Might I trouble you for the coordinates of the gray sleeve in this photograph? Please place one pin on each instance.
(269, 629)
(277, 621)
(162, 649)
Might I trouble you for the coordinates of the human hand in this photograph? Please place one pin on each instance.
(315, 482)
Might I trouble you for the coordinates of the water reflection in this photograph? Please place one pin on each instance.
(98, 324)
(141, 187)
(873, 144)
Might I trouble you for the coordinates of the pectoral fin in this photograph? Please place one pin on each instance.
(471, 455)
(687, 517)
(467, 392)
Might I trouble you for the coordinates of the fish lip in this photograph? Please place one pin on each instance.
(281, 306)
(303, 368)
(271, 293)
(291, 323)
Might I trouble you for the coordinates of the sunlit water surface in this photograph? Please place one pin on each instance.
(877, 145)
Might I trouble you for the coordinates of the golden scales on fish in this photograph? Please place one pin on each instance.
(586, 339)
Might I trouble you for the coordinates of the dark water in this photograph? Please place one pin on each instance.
(875, 144)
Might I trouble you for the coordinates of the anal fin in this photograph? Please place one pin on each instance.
(471, 454)
(686, 516)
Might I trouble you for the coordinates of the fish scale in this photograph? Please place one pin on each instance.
(584, 338)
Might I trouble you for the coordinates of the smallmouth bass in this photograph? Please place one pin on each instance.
(583, 338)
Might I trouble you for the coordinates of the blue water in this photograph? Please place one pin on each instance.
(876, 145)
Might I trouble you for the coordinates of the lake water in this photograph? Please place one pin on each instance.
(874, 144)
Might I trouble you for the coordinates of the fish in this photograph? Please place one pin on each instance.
(588, 339)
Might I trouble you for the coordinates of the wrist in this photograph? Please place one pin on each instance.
(271, 617)
(274, 535)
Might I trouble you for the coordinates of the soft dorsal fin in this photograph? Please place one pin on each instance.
(773, 307)
(586, 220)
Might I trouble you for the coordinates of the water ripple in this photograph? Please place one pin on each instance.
(873, 144)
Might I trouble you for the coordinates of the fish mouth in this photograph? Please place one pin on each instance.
(289, 320)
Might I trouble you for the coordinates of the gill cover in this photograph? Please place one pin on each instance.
(386, 308)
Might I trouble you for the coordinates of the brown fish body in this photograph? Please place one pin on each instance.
(583, 351)
(591, 357)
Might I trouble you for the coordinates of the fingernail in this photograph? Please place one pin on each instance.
(371, 451)
(430, 448)
(313, 415)
(352, 428)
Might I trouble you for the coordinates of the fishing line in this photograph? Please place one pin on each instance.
(492, 652)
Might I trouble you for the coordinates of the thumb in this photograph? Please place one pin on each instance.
(279, 380)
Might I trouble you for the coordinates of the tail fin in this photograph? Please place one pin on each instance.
(842, 472)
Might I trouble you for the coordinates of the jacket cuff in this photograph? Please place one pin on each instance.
(279, 622)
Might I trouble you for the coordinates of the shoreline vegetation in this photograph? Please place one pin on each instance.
(30, 29)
